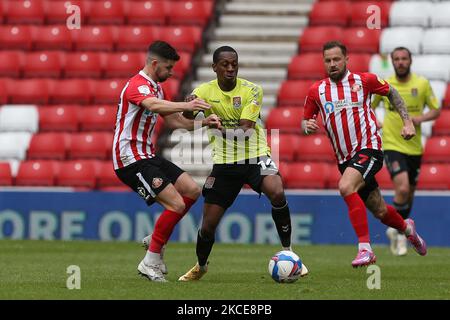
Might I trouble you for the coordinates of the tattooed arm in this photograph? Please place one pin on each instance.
(408, 130)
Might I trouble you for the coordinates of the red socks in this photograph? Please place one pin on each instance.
(358, 216)
(165, 225)
(394, 219)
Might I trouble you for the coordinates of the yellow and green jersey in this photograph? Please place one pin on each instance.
(243, 102)
(416, 93)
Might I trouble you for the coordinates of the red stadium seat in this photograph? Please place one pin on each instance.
(313, 38)
(362, 40)
(58, 118)
(283, 169)
(136, 37)
(283, 145)
(285, 119)
(11, 63)
(182, 66)
(293, 92)
(56, 11)
(384, 179)
(107, 177)
(446, 102)
(442, 124)
(56, 37)
(190, 12)
(2, 11)
(43, 64)
(48, 145)
(83, 65)
(333, 176)
(315, 147)
(98, 38)
(171, 89)
(307, 66)
(335, 13)
(3, 91)
(437, 149)
(308, 175)
(123, 65)
(182, 38)
(147, 12)
(72, 91)
(17, 37)
(29, 91)
(108, 91)
(359, 15)
(358, 62)
(107, 12)
(5, 174)
(97, 118)
(434, 177)
(21, 12)
(36, 173)
(78, 173)
(91, 145)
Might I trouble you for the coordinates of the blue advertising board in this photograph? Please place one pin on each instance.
(317, 218)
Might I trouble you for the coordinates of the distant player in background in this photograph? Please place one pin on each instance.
(403, 158)
(154, 178)
(343, 100)
(241, 156)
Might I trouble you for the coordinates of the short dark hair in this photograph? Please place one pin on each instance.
(220, 50)
(163, 50)
(334, 44)
(401, 48)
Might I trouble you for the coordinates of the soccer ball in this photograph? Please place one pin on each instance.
(285, 267)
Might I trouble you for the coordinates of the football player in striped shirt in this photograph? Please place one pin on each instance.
(343, 101)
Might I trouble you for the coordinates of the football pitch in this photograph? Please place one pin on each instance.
(38, 270)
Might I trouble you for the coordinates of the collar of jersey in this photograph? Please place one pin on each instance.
(154, 84)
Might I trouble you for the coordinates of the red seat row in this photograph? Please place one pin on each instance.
(357, 40)
(15, 63)
(70, 91)
(98, 38)
(197, 12)
(82, 174)
(346, 13)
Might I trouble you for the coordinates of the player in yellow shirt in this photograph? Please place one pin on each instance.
(240, 153)
(403, 158)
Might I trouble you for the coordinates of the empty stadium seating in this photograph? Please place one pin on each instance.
(442, 124)
(58, 118)
(16, 118)
(307, 66)
(313, 38)
(285, 119)
(361, 10)
(36, 173)
(22, 12)
(361, 40)
(49, 146)
(313, 148)
(147, 12)
(283, 145)
(98, 118)
(334, 13)
(11, 63)
(90, 145)
(46, 64)
(434, 177)
(392, 38)
(437, 149)
(307, 175)
(293, 92)
(80, 174)
(83, 64)
(410, 13)
(55, 37)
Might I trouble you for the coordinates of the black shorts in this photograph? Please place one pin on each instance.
(397, 162)
(226, 180)
(148, 177)
(368, 162)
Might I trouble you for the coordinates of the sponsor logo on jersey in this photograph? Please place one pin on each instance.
(414, 92)
(156, 183)
(237, 102)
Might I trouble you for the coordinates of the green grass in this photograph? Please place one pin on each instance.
(37, 270)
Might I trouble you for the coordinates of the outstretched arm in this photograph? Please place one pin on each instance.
(179, 121)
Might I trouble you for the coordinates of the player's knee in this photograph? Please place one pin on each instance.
(345, 188)
(195, 192)
(403, 192)
(178, 206)
(277, 197)
(379, 212)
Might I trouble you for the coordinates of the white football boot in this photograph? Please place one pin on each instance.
(146, 244)
(152, 272)
(402, 245)
(304, 271)
(393, 236)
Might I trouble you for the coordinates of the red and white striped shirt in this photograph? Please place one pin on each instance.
(134, 123)
(345, 109)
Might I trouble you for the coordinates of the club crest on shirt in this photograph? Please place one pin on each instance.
(237, 102)
(209, 182)
(356, 87)
(156, 183)
(414, 92)
(144, 89)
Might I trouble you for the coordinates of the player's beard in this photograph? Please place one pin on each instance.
(338, 76)
(403, 74)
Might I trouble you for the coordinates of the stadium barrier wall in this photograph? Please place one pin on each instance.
(317, 218)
